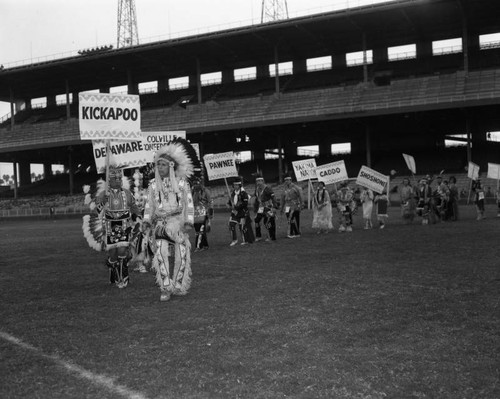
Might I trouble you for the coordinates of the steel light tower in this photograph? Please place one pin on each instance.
(273, 10)
(127, 24)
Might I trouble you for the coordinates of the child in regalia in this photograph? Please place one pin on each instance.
(345, 206)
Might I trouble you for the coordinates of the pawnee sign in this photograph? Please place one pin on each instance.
(105, 116)
(330, 173)
(220, 166)
(372, 179)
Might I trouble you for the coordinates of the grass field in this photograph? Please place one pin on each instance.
(405, 312)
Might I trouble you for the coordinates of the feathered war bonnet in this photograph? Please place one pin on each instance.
(182, 159)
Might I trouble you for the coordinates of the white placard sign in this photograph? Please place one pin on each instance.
(410, 163)
(473, 171)
(123, 154)
(220, 166)
(493, 171)
(372, 179)
(304, 169)
(105, 116)
(330, 173)
(153, 141)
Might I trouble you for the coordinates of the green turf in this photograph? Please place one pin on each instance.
(405, 312)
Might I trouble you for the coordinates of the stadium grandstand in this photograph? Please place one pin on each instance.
(390, 78)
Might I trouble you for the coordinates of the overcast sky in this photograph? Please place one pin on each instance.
(37, 29)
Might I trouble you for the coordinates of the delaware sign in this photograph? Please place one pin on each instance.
(123, 154)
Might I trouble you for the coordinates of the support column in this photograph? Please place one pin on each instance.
(262, 71)
(280, 159)
(325, 149)
(68, 105)
(70, 170)
(471, 48)
(368, 146)
(469, 140)
(51, 101)
(227, 76)
(365, 62)
(162, 85)
(276, 71)
(299, 66)
(24, 173)
(16, 180)
(339, 62)
(198, 80)
(12, 108)
(47, 170)
(380, 56)
(132, 87)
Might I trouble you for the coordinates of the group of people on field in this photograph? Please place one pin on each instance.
(267, 207)
(435, 200)
(149, 227)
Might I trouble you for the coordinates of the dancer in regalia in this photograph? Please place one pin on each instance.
(265, 209)
(322, 210)
(240, 215)
(169, 212)
(291, 204)
(345, 206)
(110, 229)
(203, 213)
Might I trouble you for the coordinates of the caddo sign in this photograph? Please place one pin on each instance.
(330, 173)
(105, 116)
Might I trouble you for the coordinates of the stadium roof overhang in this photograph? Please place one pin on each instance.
(378, 26)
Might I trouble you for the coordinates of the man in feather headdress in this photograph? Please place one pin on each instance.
(116, 205)
(169, 211)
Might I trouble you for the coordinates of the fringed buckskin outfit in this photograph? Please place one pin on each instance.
(169, 211)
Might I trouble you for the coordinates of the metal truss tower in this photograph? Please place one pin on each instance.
(127, 24)
(273, 10)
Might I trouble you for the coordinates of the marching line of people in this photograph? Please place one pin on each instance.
(148, 228)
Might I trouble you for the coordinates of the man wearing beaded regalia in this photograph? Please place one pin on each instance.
(110, 229)
(169, 212)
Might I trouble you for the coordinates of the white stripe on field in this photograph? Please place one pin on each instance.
(96, 379)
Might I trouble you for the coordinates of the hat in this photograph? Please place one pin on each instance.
(181, 154)
(238, 180)
(258, 176)
(287, 176)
